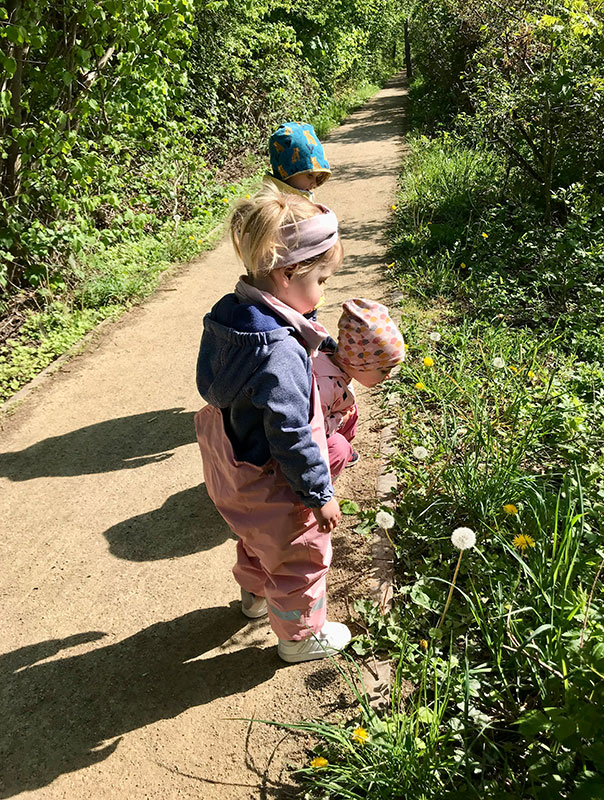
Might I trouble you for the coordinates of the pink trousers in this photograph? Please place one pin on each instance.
(339, 445)
(281, 554)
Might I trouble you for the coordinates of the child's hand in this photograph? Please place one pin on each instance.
(328, 515)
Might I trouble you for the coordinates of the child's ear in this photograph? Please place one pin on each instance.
(281, 277)
(289, 271)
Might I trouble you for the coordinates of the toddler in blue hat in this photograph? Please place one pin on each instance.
(298, 160)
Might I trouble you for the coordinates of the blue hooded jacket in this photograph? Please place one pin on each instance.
(253, 368)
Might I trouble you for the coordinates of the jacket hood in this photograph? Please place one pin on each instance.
(236, 341)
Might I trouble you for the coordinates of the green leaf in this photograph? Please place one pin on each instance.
(590, 789)
(349, 507)
(532, 723)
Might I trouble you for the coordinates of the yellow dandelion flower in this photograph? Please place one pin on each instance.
(423, 643)
(513, 369)
(360, 735)
(428, 362)
(463, 265)
(225, 200)
(200, 241)
(523, 541)
(485, 235)
(393, 208)
(192, 238)
(247, 197)
(389, 266)
(429, 222)
(510, 508)
(319, 762)
(419, 385)
(531, 374)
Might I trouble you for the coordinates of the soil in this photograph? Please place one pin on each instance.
(127, 667)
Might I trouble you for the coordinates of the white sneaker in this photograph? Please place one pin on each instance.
(253, 606)
(333, 637)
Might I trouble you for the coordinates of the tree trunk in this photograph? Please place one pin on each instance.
(408, 65)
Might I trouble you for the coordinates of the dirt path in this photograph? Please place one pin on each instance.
(125, 655)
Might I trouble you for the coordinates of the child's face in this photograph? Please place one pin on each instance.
(303, 292)
(368, 377)
(306, 181)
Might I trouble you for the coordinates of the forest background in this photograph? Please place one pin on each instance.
(127, 127)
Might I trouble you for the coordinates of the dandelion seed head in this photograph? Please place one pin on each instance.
(463, 538)
(384, 520)
(435, 336)
(420, 452)
(498, 362)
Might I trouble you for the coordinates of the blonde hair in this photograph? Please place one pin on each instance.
(255, 230)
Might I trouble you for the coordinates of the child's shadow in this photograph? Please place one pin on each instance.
(114, 444)
(186, 523)
(64, 715)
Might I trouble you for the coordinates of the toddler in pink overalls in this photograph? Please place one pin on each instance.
(369, 346)
(262, 435)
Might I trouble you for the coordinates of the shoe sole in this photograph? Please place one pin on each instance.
(299, 659)
(254, 614)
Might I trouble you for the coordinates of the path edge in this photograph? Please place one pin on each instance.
(172, 271)
(377, 674)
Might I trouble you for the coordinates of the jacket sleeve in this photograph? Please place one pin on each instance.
(282, 388)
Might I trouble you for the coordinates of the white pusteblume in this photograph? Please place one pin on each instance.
(384, 520)
(463, 538)
(420, 452)
(435, 336)
(498, 362)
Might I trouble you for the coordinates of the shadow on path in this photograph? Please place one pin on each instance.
(186, 523)
(121, 443)
(64, 715)
(380, 117)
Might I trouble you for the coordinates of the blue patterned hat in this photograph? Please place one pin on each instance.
(295, 147)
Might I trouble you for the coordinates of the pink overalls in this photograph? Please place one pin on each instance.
(281, 554)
